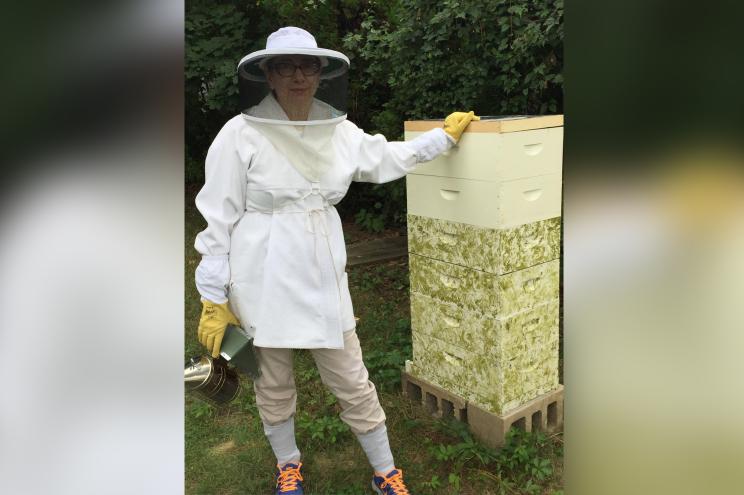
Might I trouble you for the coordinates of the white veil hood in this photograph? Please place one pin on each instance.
(330, 98)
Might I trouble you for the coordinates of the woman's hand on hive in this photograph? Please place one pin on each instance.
(456, 122)
(212, 325)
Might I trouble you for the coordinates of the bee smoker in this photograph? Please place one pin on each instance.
(215, 380)
(211, 380)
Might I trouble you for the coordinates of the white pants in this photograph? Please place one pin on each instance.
(342, 371)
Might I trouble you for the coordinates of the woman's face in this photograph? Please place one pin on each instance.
(294, 79)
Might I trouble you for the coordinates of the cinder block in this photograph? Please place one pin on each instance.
(544, 413)
(436, 400)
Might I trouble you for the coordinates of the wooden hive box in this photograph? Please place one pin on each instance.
(484, 242)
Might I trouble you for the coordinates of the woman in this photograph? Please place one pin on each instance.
(273, 253)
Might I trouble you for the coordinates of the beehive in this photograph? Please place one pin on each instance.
(484, 242)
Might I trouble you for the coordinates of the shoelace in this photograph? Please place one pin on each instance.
(396, 483)
(288, 479)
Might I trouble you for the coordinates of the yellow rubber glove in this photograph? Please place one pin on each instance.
(212, 325)
(456, 122)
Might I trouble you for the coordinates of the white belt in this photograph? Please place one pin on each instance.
(315, 206)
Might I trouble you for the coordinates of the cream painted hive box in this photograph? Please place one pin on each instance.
(484, 243)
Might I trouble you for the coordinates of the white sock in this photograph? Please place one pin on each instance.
(377, 447)
(282, 440)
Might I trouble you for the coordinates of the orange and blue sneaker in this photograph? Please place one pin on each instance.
(289, 479)
(390, 484)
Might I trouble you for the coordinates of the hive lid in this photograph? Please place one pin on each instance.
(504, 123)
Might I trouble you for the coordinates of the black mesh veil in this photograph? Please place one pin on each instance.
(330, 97)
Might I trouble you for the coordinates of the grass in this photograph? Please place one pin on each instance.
(227, 453)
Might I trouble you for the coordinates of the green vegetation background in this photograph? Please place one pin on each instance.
(410, 59)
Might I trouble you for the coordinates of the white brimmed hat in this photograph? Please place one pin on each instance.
(291, 41)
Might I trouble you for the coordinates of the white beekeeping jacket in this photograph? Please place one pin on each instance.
(274, 246)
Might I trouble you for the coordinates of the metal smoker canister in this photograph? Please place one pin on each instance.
(211, 380)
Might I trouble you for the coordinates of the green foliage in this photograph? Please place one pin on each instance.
(371, 220)
(499, 57)
(524, 454)
(386, 362)
(467, 451)
(350, 490)
(247, 398)
(216, 36)
(454, 481)
(200, 410)
(383, 277)
(432, 484)
(525, 460)
(389, 207)
(324, 429)
(308, 374)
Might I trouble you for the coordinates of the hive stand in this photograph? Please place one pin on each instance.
(544, 413)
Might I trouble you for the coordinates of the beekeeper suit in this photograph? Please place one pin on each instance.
(273, 252)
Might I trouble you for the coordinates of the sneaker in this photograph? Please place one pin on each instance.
(390, 484)
(289, 480)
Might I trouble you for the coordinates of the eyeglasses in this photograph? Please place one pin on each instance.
(287, 69)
